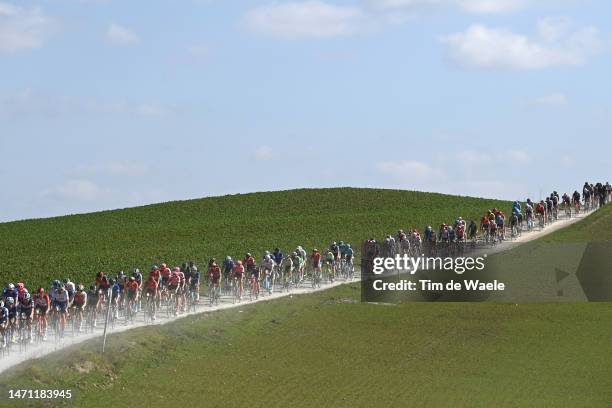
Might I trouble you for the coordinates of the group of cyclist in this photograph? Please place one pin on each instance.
(177, 288)
(276, 267)
(493, 224)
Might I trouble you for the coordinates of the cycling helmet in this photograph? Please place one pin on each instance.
(41, 290)
(11, 286)
(315, 250)
(267, 252)
(112, 281)
(267, 257)
(154, 267)
(176, 269)
(10, 301)
(228, 258)
(348, 245)
(239, 262)
(164, 265)
(56, 283)
(248, 255)
(132, 279)
(27, 296)
(294, 254)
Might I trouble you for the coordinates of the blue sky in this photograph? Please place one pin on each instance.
(108, 104)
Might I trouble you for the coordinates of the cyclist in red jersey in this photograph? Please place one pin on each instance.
(42, 304)
(249, 262)
(150, 288)
(165, 274)
(238, 277)
(214, 276)
(315, 257)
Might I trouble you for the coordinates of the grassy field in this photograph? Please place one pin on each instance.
(327, 349)
(81, 245)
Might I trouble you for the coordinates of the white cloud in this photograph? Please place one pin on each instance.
(77, 190)
(410, 170)
(470, 6)
(492, 6)
(307, 19)
(556, 99)
(116, 168)
(23, 28)
(264, 153)
(119, 35)
(519, 157)
(483, 47)
(29, 102)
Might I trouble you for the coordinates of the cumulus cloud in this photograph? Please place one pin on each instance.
(555, 99)
(122, 36)
(31, 103)
(307, 19)
(23, 28)
(264, 153)
(490, 48)
(470, 6)
(410, 170)
(76, 190)
(116, 168)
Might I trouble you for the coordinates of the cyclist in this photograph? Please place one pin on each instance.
(93, 300)
(342, 246)
(12, 316)
(150, 287)
(549, 207)
(349, 254)
(541, 211)
(10, 291)
(529, 214)
(330, 259)
(249, 262)
(302, 254)
(194, 282)
(500, 221)
(71, 288)
(102, 282)
(268, 265)
(238, 276)
(255, 281)
(278, 256)
(165, 273)
(228, 268)
(4, 321)
(214, 277)
(61, 305)
(315, 258)
(25, 309)
(132, 287)
(116, 295)
(42, 304)
(80, 303)
(173, 284)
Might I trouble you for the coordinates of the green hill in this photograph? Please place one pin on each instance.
(327, 349)
(78, 246)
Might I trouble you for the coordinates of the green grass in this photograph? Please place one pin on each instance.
(79, 246)
(327, 349)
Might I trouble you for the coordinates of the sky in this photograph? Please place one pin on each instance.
(110, 104)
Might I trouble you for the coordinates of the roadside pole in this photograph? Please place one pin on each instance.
(108, 310)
